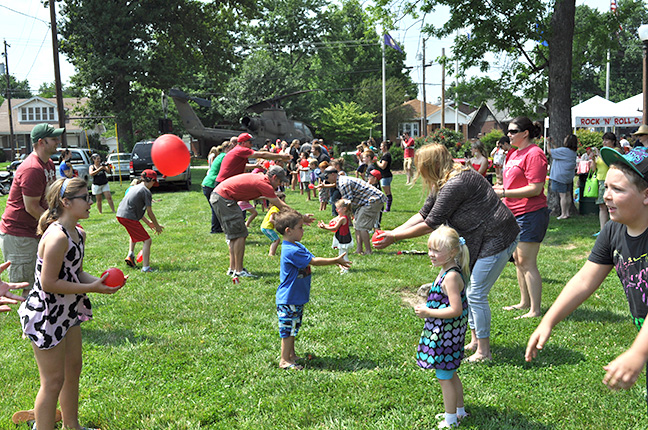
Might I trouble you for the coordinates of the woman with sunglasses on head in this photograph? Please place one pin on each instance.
(522, 191)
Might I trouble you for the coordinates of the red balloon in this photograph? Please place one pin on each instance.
(266, 164)
(115, 277)
(311, 186)
(304, 163)
(376, 233)
(170, 155)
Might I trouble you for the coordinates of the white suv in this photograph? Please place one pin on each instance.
(80, 162)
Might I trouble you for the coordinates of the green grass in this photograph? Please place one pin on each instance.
(185, 348)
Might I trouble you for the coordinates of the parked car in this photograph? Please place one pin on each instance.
(141, 160)
(80, 162)
(120, 165)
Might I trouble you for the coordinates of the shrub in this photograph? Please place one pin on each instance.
(587, 138)
(490, 139)
(451, 139)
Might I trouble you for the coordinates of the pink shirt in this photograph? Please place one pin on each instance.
(32, 179)
(409, 148)
(523, 167)
(234, 162)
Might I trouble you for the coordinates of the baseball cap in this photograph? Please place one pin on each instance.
(44, 130)
(375, 173)
(244, 137)
(279, 172)
(328, 171)
(637, 159)
(150, 174)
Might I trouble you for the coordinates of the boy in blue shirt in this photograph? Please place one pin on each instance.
(295, 282)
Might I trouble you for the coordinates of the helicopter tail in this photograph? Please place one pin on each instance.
(191, 122)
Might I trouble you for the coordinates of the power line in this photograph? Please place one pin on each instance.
(24, 14)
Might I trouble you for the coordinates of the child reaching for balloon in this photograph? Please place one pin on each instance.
(446, 319)
(343, 240)
(267, 226)
(60, 289)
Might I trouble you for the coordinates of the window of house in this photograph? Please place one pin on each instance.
(38, 113)
(409, 127)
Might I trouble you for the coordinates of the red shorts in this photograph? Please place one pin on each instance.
(134, 229)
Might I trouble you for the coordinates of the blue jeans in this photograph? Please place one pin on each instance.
(482, 278)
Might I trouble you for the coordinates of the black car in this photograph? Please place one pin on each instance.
(141, 160)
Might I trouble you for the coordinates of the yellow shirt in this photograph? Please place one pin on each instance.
(601, 169)
(267, 224)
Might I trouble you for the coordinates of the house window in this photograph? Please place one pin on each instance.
(409, 127)
(38, 113)
(51, 114)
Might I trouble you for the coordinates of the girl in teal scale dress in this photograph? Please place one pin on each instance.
(446, 318)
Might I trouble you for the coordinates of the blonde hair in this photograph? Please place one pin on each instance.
(445, 237)
(62, 188)
(435, 165)
(344, 203)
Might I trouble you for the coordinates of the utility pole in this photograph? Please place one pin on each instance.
(424, 106)
(11, 133)
(443, 88)
(57, 73)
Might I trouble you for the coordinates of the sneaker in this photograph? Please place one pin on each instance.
(148, 269)
(245, 274)
(130, 262)
(230, 272)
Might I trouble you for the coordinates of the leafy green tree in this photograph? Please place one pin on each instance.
(17, 89)
(156, 44)
(345, 122)
(48, 90)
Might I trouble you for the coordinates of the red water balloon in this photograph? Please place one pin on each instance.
(375, 235)
(304, 163)
(115, 277)
(170, 155)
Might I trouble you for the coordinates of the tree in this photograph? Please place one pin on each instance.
(154, 43)
(48, 91)
(345, 122)
(17, 89)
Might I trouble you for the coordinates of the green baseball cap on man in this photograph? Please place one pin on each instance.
(44, 130)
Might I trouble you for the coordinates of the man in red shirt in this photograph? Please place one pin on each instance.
(26, 203)
(407, 143)
(246, 186)
(235, 161)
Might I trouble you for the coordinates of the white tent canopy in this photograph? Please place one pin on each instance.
(632, 106)
(598, 112)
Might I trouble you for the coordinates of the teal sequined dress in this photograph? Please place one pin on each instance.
(442, 342)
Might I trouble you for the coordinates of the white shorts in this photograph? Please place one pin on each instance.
(100, 189)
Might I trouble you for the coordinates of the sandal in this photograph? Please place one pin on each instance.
(294, 366)
(26, 416)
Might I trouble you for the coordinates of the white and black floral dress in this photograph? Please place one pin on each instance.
(46, 317)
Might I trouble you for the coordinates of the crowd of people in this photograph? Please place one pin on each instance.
(474, 229)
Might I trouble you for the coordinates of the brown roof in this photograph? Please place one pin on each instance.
(416, 105)
(70, 104)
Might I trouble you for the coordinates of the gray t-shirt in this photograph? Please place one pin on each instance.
(468, 204)
(134, 204)
(563, 165)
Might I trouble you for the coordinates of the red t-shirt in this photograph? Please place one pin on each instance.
(246, 186)
(409, 148)
(234, 162)
(31, 179)
(523, 167)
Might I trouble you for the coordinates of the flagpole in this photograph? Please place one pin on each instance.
(384, 96)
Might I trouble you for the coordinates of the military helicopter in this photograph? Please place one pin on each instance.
(270, 123)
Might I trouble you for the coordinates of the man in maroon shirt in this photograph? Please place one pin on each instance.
(26, 203)
(408, 144)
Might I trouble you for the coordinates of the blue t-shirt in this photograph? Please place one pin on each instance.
(62, 168)
(295, 276)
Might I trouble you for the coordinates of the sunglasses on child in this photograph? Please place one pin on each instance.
(86, 197)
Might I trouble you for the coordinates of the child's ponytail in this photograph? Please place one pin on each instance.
(463, 259)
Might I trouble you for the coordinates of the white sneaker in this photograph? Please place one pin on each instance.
(244, 274)
(230, 272)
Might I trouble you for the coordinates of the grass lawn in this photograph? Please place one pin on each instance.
(185, 348)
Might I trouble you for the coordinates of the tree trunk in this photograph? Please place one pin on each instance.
(560, 69)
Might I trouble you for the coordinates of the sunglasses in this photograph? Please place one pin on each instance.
(513, 131)
(86, 197)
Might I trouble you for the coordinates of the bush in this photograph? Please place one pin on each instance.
(491, 138)
(397, 157)
(587, 138)
(453, 140)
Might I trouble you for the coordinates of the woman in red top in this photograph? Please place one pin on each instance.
(524, 174)
(479, 160)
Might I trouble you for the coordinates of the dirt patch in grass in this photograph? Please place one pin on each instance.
(412, 299)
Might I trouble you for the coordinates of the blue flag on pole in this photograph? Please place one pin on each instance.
(389, 41)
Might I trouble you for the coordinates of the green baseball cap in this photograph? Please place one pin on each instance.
(44, 130)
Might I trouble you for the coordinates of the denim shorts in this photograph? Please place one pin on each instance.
(533, 225)
(386, 182)
(290, 319)
(558, 187)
